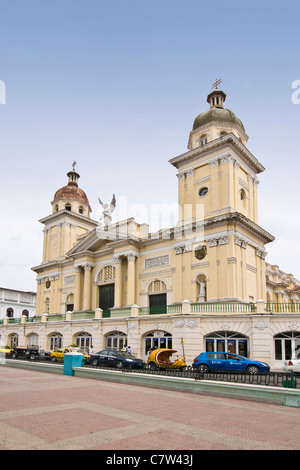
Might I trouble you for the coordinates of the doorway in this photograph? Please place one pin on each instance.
(158, 303)
(106, 296)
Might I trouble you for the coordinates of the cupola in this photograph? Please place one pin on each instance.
(71, 197)
(216, 122)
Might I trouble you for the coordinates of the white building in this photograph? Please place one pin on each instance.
(15, 303)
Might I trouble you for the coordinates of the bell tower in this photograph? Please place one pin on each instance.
(70, 219)
(217, 188)
(218, 172)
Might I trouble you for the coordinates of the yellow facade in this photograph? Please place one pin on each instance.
(218, 213)
(203, 280)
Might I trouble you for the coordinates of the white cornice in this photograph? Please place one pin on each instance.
(69, 215)
(229, 140)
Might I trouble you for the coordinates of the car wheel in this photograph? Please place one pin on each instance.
(120, 364)
(32, 357)
(53, 359)
(152, 366)
(95, 362)
(203, 368)
(14, 355)
(253, 370)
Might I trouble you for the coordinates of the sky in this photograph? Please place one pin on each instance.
(116, 85)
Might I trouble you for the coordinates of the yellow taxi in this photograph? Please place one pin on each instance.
(5, 351)
(59, 354)
(161, 359)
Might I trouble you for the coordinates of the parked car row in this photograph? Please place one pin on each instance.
(158, 359)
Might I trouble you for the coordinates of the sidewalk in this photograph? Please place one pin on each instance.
(44, 411)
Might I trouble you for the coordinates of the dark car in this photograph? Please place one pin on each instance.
(31, 353)
(224, 361)
(117, 359)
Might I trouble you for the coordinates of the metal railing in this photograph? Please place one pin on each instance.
(272, 379)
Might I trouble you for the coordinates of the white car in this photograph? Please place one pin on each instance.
(292, 364)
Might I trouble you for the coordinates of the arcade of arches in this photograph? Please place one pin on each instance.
(286, 345)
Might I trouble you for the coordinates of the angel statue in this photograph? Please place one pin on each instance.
(107, 211)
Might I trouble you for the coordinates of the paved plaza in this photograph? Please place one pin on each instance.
(43, 411)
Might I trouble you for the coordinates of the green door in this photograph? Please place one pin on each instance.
(107, 296)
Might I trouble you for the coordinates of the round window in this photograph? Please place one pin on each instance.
(203, 191)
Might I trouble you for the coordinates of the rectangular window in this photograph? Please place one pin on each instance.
(243, 347)
(231, 346)
(278, 350)
(147, 345)
(288, 349)
(210, 345)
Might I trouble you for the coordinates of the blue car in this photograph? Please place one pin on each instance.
(221, 361)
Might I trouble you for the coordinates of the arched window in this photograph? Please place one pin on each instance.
(107, 274)
(68, 206)
(203, 140)
(157, 292)
(227, 341)
(287, 346)
(70, 303)
(56, 341)
(33, 340)
(14, 340)
(116, 341)
(158, 339)
(47, 305)
(25, 313)
(84, 340)
(10, 312)
(81, 210)
(106, 279)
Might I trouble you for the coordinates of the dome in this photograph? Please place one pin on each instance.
(216, 122)
(71, 192)
(218, 114)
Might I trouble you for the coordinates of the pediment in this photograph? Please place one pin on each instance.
(97, 239)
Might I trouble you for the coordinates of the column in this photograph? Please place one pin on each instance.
(77, 300)
(52, 295)
(118, 281)
(87, 286)
(131, 279)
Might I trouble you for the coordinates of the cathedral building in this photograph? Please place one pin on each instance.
(203, 284)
